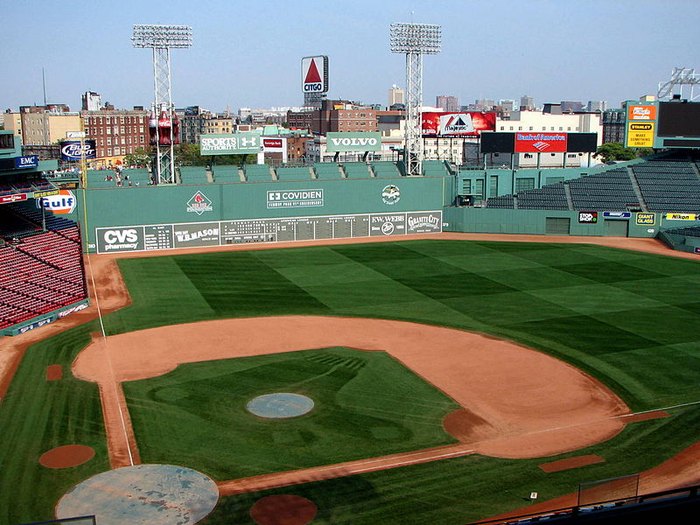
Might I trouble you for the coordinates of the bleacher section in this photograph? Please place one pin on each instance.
(41, 273)
(550, 197)
(611, 190)
(12, 185)
(41, 270)
(435, 168)
(668, 185)
(226, 174)
(257, 173)
(327, 170)
(193, 175)
(293, 173)
(385, 170)
(108, 179)
(502, 201)
(356, 170)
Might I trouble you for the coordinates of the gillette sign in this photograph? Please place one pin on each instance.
(526, 142)
(314, 74)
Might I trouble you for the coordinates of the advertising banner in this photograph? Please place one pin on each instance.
(14, 197)
(274, 144)
(387, 224)
(27, 161)
(545, 142)
(230, 144)
(681, 217)
(588, 217)
(463, 124)
(640, 134)
(353, 141)
(424, 222)
(128, 239)
(617, 214)
(60, 202)
(646, 219)
(196, 234)
(314, 74)
(641, 112)
(295, 199)
(72, 150)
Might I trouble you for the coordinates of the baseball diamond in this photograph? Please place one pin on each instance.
(557, 412)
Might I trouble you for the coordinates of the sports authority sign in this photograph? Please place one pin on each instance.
(531, 142)
(314, 74)
(230, 144)
(358, 141)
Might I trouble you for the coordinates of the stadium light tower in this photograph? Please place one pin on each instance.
(415, 40)
(163, 124)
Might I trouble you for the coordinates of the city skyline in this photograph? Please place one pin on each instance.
(245, 56)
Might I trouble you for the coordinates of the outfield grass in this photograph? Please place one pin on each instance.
(631, 320)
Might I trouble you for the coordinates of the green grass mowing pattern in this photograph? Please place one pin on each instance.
(469, 488)
(366, 405)
(37, 415)
(647, 375)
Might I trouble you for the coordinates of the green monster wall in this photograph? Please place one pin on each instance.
(382, 200)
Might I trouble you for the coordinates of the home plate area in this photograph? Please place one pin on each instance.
(142, 494)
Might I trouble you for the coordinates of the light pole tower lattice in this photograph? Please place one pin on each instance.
(163, 121)
(415, 40)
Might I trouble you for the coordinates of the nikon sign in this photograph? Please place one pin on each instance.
(359, 141)
(230, 144)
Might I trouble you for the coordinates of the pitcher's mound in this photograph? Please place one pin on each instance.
(153, 494)
(280, 405)
(66, 456)
(285, 509)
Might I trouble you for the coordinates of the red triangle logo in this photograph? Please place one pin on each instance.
(312, 76)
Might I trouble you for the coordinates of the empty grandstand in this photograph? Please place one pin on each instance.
(669, 185)
(258, 172)
(285, 173)
(41, 258)
(327, 170)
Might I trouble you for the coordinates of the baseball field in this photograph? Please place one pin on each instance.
(446, 375)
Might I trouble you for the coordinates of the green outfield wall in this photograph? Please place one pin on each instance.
(258, 212)
(142, 218)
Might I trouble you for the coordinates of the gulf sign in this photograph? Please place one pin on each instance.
(534, 142)
(463, 124)
(61, 203)
(314, 74)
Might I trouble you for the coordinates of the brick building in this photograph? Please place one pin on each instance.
(334, 115)
(116, 132)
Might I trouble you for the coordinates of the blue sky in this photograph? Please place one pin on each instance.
(248, 53)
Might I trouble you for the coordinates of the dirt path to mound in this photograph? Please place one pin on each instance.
(500, 422)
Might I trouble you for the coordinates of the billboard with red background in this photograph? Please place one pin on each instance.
(462, 124)
(544, 142)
